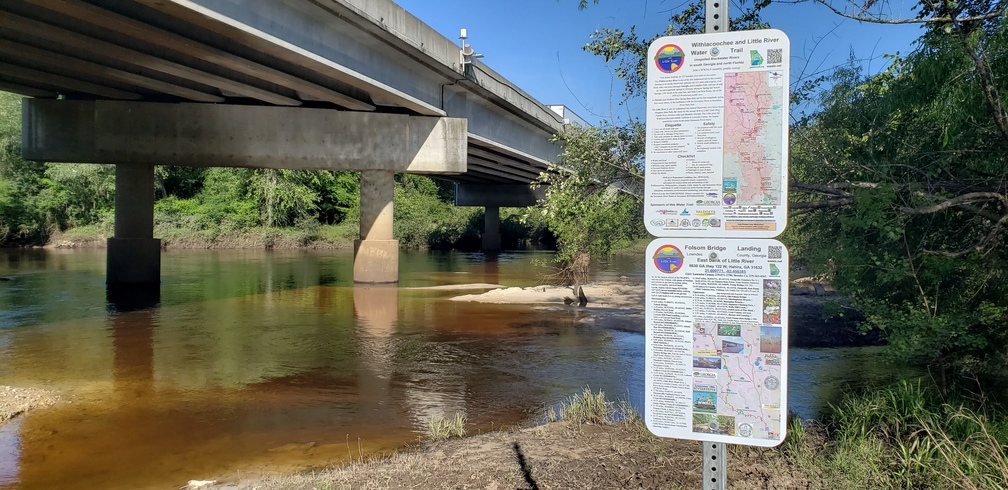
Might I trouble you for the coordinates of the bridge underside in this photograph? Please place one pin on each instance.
(356, 85)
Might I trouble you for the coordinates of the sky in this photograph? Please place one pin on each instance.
(537, 44)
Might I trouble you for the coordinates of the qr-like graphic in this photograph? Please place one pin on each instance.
(774, 56)
(774, 252)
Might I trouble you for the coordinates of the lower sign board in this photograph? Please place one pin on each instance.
(716, 340)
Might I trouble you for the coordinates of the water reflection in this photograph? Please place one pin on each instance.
(266, 362)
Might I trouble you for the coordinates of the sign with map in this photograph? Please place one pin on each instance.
(717, 139)
(716, 340)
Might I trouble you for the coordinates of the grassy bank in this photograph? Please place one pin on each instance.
(339, 236)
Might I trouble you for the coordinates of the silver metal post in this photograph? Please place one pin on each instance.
(715, 471)
(715, 456)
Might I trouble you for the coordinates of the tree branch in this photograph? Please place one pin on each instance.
(958, 201)
(928, 20)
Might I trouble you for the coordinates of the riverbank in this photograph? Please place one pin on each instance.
(557, 455)
(620, 305)
(17, 401)
(321, 237)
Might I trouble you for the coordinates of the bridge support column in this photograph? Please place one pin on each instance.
(133, 256)
(376, 253)
(491, 229)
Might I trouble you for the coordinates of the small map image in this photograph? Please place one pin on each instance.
(753, 139)
(740, 392)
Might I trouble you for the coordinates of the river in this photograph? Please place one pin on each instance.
(257, 362)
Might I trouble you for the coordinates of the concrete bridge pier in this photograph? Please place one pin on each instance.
(133, 254)
(376, 253)
(492, 197)
(491, 229)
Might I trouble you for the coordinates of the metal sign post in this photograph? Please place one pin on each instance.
(715, 455)
(716, 316)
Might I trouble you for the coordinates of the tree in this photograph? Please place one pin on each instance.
(903, 182)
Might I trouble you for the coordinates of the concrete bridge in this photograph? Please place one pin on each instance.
(356, 85)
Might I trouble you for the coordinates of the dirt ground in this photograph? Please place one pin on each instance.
(559, 455)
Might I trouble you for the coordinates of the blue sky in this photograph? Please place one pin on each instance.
(537, 44)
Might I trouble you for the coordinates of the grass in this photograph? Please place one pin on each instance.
(908, 437)
(440, 428)
(585, 408)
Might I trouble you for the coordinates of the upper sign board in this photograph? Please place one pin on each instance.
(717, 139)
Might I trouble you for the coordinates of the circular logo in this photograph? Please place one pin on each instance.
(729, 199)
(715, 223)
(668, 258)
(670, 58)
(715, 51)
(684, 223)
(712, 257)
(696, 223)
(771, 383)
(745, 430)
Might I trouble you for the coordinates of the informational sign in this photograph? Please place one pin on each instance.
(716, 340)
(717, 138)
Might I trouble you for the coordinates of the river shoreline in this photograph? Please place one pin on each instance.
(558, 455)
(17, 401)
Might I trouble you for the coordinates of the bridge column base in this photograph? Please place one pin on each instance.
(376, 261)
(133, 261)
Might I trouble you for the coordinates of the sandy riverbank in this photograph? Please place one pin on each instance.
(16, 401)
(558, 455)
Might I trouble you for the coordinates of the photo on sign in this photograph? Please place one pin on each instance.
(732, 346)
(772, 301)
(770, 339)
(729, 330)
(708, 423)
(705, 401)
(706, 362)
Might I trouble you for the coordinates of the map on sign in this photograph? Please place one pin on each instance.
(754, 121)
(716, 340)
(736, 388)
(716, 156)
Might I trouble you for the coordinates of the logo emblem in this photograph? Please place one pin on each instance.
(729, 199)
(670, 58)
(755, 57)
(668, 258)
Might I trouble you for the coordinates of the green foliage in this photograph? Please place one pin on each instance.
(629, 51)
(423, 220)
(908, 437)
(584, 207)
(901, 148)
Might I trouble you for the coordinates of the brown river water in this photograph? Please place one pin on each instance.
(257, 362)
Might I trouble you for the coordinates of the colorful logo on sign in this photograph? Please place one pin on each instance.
(729, 199)
(755, 57)
(670, 58)
(668, 258)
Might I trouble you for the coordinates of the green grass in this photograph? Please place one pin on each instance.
(908, 437)
(584, 408)
(440, 428)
